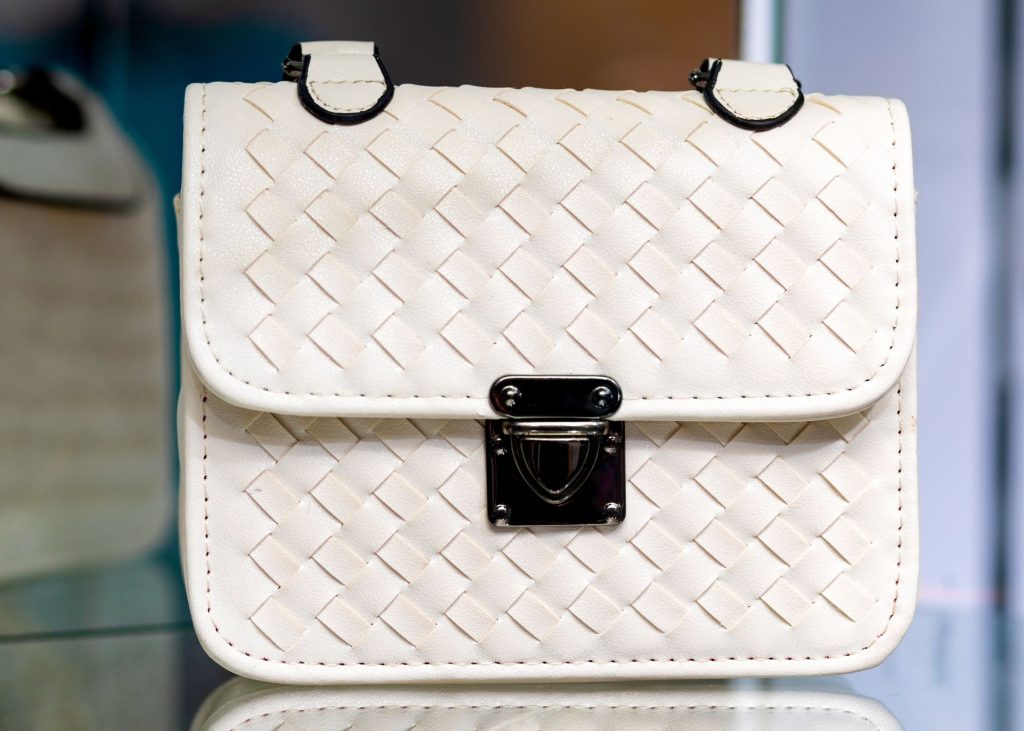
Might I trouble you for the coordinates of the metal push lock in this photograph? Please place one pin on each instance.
(555, 459)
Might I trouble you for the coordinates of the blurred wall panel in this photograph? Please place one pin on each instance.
(934, 56)
(1013, 220)
(614, 44)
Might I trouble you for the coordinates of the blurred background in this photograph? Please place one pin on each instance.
(111, 598)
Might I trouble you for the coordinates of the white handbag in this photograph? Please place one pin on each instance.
(527, 384)
(243, 704)
(85, 449)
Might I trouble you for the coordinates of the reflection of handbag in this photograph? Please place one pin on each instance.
(84, 443)
(244, 704)
(546, 384)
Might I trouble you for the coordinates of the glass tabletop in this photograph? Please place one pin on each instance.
(113, 648)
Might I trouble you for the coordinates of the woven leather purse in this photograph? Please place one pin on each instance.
(528, 384)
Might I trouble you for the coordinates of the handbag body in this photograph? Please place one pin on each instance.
(528, 384)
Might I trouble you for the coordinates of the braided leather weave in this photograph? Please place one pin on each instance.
(351, 292)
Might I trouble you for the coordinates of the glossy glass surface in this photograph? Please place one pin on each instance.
(955, 670)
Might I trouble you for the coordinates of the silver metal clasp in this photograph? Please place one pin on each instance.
(555, 459)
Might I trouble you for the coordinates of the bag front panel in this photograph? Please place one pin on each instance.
(326, 549)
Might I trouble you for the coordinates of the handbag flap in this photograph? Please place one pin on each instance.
(399, 266)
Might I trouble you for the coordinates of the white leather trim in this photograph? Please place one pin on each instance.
(343, 77)
(755, 92)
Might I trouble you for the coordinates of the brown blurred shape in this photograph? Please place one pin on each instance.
(611, 44)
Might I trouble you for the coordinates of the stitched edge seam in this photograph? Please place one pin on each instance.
(791, 92)
(719, 95)
(331, 107)
(267, 389)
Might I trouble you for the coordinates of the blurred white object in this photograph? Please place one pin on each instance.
(83, 321)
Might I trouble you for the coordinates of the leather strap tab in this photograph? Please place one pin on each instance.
(341, 82)
(754, 96)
